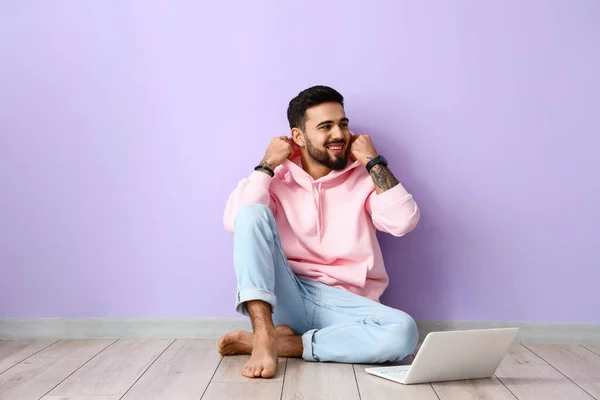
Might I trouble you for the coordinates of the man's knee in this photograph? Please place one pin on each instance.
(408, 333)
(251, 216)
(400, 338)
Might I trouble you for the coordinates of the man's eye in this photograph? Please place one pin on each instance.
(344, 125)
(326, 127)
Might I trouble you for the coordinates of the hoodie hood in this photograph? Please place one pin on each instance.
(292, 169)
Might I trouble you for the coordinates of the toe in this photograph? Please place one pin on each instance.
(268, 372)
(246, 372)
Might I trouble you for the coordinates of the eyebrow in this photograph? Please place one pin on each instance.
(331, 122)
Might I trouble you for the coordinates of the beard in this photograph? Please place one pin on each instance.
(336, 163)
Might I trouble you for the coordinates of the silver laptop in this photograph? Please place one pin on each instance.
(453, 355)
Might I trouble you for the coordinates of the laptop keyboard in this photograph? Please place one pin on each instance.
(396, 374)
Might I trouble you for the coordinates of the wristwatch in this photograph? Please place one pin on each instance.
(265, 167)
(377, 160)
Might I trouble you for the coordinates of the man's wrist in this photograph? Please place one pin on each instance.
(366, 160)
(266, 168)
(375, 161)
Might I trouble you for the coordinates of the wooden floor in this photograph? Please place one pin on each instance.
(192, 369)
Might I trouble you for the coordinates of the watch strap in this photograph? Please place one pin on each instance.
(374, 162)
(265, 167)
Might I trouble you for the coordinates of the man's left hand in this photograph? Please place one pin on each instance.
(362, 149)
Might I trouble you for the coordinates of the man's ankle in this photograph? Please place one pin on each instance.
(266, 331)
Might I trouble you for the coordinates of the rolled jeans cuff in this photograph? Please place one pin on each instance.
(245, 295)
(307, 344)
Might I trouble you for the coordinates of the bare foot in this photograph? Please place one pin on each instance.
(263, 361)
(283, 330)
(238, 342)
(241, 342)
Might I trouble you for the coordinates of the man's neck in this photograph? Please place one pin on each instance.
(313, 168)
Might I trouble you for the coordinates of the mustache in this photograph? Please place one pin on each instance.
(336, 142)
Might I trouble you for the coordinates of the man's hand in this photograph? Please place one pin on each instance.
(362, 149)
(280, 149)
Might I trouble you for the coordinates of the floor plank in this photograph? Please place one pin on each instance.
(13, 352)
(529, 377)
(577, 363)
(374, 388)
(31, 379)
(491, 389)
(228, 382)
(593, 347)
(37, 375)
(257, 389)
(182, 372)
(75, 348)
(230, 370)
(312, 380)
(113, 371)
(88, 397)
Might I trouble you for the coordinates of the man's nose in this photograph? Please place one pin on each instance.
(337, 133)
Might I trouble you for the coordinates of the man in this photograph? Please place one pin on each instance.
(306, 255)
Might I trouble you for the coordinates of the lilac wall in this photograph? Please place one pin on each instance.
(124, 127)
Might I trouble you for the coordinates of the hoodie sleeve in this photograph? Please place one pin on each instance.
(393, 211)
(251, 190)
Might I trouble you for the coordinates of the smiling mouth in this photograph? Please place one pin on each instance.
(336, 147)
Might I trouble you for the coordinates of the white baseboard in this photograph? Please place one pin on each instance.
(530, 332)
(105, 328)
(94, 328)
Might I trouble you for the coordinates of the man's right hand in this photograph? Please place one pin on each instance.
(280, 149)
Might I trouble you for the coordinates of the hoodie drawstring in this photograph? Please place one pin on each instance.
(317, 197)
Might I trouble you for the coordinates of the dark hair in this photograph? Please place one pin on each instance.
(307, 98)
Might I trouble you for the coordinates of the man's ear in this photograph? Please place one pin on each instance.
(298, 137)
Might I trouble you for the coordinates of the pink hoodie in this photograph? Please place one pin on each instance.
(327, 226)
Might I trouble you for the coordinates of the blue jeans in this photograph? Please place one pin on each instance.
(336, 325)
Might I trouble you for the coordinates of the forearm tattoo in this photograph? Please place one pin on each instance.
(383, 177)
